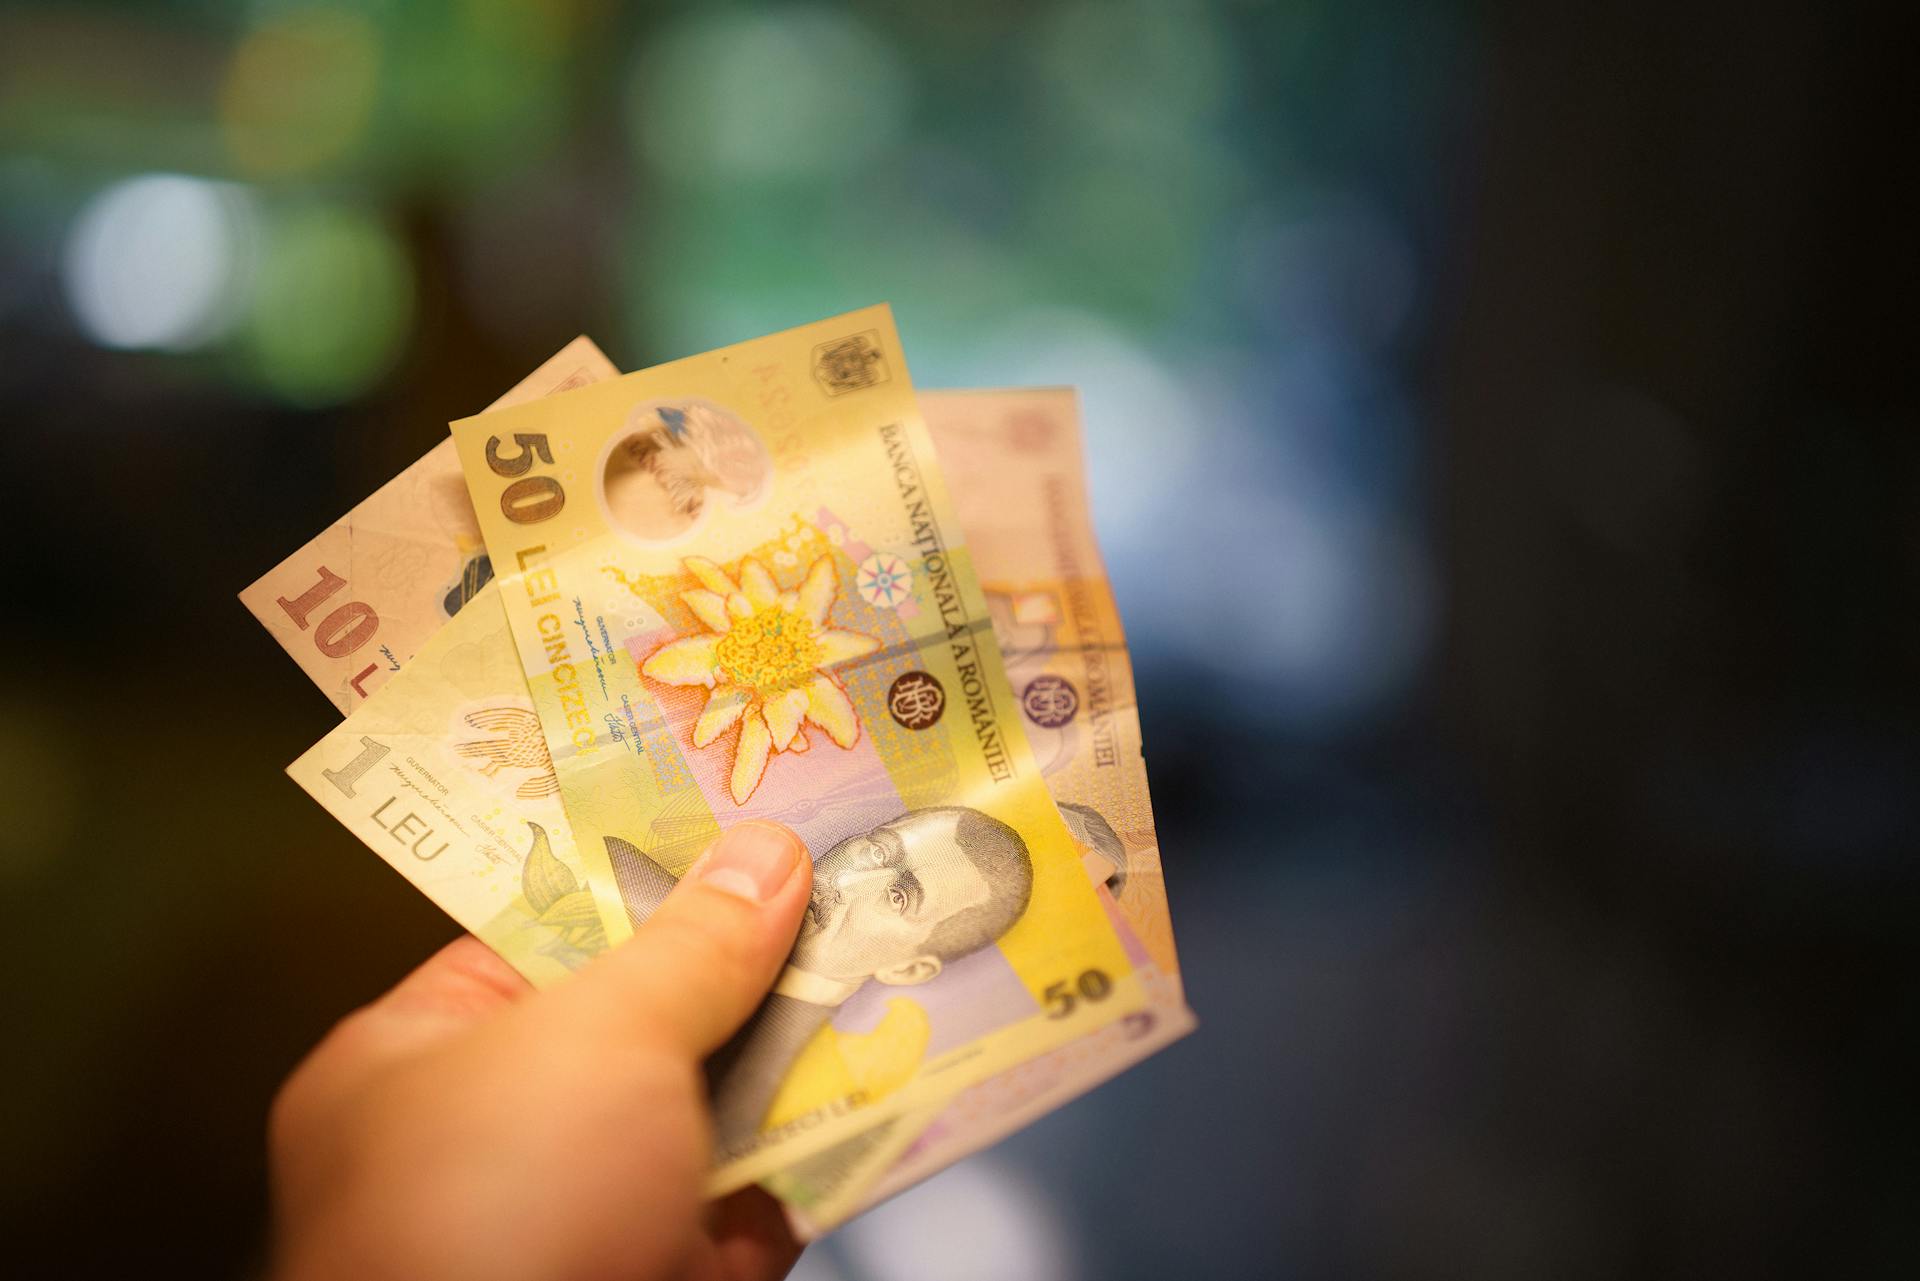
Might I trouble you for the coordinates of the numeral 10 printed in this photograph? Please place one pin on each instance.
(343, 631)
(349, 628)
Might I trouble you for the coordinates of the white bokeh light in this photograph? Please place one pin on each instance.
(818, 1264)
(159, 262)
(1235, 544)
(980, 1218)
(1148, 431)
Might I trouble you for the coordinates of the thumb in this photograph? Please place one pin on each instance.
(705, 959)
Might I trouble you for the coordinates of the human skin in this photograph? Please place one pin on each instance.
(465, 1126)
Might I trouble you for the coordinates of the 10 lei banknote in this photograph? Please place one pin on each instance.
(737, 590)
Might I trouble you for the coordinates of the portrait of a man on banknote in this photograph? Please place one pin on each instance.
(893, 905)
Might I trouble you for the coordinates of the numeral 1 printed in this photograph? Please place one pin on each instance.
(347, 775)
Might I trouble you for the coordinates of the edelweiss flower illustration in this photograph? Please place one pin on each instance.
(764, 658)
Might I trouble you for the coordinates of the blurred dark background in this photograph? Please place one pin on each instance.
(1502, 434)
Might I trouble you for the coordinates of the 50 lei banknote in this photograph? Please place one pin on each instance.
(755, 604)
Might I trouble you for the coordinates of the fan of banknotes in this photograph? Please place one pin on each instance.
(613, 615)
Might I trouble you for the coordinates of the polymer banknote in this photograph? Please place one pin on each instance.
(737, 591)
(353, 604)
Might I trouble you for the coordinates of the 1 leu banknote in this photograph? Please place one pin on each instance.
(509, 874)
(738, 591)
(1013, 461)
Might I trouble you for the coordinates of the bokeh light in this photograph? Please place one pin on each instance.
(1134, 74)
(1277, 488)
(766, 94)
(159, 261)
(300, 91)
(331, 306)
(982, 1218)
(1333, 267)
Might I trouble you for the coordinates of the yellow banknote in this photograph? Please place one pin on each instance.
(445, 774)
(738, 590)
(365, 593)
(1013, 460)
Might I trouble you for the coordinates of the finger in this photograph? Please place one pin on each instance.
(751, 1237)
(458, 986)
(466, 979)
(693, 973)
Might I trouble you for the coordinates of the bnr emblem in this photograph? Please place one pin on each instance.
(1050, 701)
(850, 363)
(916, 700)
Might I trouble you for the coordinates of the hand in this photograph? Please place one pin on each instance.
(465, 1126)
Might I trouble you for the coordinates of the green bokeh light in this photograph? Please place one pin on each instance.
(1133, 73)
(796, 93)
(331, 305)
